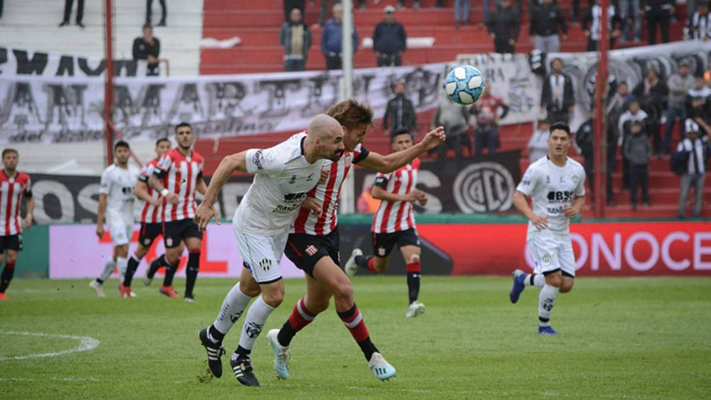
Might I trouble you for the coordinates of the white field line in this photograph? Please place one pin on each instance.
(86, 343)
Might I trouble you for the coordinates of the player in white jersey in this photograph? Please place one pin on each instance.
(556, 185)
(284, 175)
(116, 202)
(151, 218)
(394, 223)
(314, 244)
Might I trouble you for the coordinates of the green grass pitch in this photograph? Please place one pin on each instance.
(620, 339)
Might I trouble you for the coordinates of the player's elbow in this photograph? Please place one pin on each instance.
(377, 193)
(235, 162)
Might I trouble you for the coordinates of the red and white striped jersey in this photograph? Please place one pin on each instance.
(180, 175)
(327, 194)
(12, 190)
(151, 214)
(396, 216)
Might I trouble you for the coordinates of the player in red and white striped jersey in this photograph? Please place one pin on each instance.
(314, 244)
(14, 185)
(394, 223)
(151, 218)
(177, 176)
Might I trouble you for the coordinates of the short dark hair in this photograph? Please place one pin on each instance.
(398, 132)
(7, 151)
(121, 143)
(183, 124)
(161, 140)
(560, 126)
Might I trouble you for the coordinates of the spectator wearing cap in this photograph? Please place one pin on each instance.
(504, 26)
(147, 47)
(331, 39)
(653, 94)
(697, 151)
(486, 110)
(557, 96)
(400, 112)
(295, 37)
(679, 85)
(538, 144)
(546, 23)
(658, 12)
(389, 40)
(698, 24)
(455, 120)
(637, 152)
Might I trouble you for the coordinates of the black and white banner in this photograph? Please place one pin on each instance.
(23, 62)
(483, 184)
(56, 110)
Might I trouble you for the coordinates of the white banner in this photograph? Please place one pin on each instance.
(56, 110)
(25, 62)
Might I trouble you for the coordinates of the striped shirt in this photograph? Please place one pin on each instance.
(327, 194)
(180, 175)
(150, 214)
(12, 190)
(396, 216)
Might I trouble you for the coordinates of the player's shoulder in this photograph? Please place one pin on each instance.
(291, 148)
(197, 157)
(110, 170)
(23, 177)
(575, 165)
(134, 170)
(538, 165)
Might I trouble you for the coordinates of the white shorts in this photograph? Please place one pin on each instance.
(121, 233)
(553, 253)
(261, 254)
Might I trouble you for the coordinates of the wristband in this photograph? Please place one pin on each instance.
(164, 192)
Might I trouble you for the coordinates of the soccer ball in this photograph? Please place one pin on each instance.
(464, 84)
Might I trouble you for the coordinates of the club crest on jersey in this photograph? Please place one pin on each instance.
(311, 250)
(381, 251)
(169, 242)
(546, 259)
(147, 242)
(265, 264)
(574, 178)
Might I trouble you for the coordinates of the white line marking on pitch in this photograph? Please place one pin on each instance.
(86, 343)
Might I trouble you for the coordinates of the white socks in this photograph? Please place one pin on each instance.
(122, 263)
(545, 304)
(108, 270)
(537, 280)
(254, 322)
(232, 308)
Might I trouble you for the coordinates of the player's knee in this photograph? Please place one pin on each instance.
(140, 252)
(415, 258)
(274, 298)
(554, 280)
(566, 287)
(343, 291)
(11, 258)
(249, 290)
(318, 306)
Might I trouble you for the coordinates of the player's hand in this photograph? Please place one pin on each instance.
(172, 197)
(571, 212)
(434, 138)
(313, 205)
(411, 197)
(27, 222)
(204, 214)
(324, 176)
(100, 230)
(421, 198)
(539, 221)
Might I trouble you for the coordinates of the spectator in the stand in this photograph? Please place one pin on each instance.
(538, 144)
(486, 110)
(68, 13)
(658, 12)
(575, 17)
(698, 24)
(331, 39)
(389, 40)
(292, 4)
(616, 106)
(637, 153)
(504, 26)
(698, 104)
(695, 173)
(455, 120)
(400, 112)
(592, 25)
(584, 138)
(546, 23)
(652, 94)
(461, 12)
(630, 17)
(149, 12)
(557, 97)
(295, 37)
(679, 85)
(147, 47)
(634, 114)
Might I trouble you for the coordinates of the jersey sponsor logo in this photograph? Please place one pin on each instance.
(311, 250)
(560, 196)
(258, 158)
(484, 187)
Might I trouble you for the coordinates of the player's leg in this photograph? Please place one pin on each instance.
(545, 252)
(122, 264)
(331, 276)
(145, 240)
(383, 244)
(522, 279)
(194, 246)
(411, 253)
(232, 308)
(173, 251)
(9, 271)
(567, 267)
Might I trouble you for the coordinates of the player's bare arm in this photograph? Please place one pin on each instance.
(27, 222)
(313, 205)
(230, 164)
(100, 215)
(521, 204)
(391, 162)
(572, 211)
(156, 184)
(201, 186)
(141, 192)
(381, 194)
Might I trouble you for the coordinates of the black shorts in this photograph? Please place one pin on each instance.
(11, 242)
(176, 231)
(149, 233)
(383, 243)
(305, 250)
